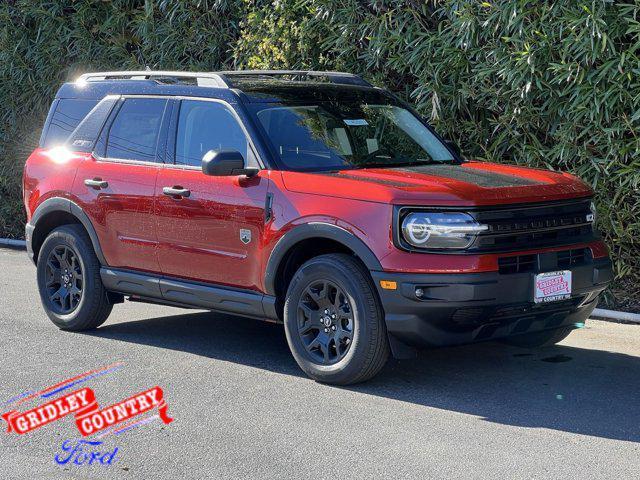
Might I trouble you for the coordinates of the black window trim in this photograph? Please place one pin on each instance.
(47, 122)
(173, 132)
(159, 140)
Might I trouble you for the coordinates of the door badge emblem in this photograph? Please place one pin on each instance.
(245, 235)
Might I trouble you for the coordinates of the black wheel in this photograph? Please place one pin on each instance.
(544, 338)
(69, 280)
(333, 321)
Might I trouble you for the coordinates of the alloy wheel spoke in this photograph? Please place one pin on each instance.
(325, 321)
(308, 311)
(64, 279)
(65, 299)
(315, 343)
(61, 296)
(74, 299)
(345, 312)
(51, 266)
(53, 276)
(75, 268)
(324, 348)
(308, 327)
(57, 295)
(59, 258)
(338, 301)
(318, 295)
(344, 333)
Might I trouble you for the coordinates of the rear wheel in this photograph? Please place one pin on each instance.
(333, 321)
(539, 339)
(69, 280)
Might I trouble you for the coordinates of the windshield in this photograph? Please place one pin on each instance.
(348, 135)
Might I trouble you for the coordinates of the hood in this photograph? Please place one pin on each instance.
(466, 184)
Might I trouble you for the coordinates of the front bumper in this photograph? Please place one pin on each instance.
(472, 307)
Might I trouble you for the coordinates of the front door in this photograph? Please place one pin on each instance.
(209, 228)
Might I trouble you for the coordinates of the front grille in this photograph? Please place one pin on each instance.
(572, 258)
(545, 261)
(551, 224)
(517, 264)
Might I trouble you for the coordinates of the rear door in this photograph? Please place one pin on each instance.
(117, 186)
(213, 232)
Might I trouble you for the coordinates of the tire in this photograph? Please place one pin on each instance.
(87, 306)
(355, 346)
(544, 338)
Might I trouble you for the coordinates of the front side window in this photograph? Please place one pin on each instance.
(204, 126)
(134, 132)
(347, 135)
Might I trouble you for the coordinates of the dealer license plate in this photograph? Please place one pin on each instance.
(552, 286)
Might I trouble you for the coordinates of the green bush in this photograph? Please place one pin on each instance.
(545, 84)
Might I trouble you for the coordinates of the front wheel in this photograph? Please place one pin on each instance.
(334, 322)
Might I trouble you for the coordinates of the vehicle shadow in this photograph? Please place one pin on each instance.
(589, 392)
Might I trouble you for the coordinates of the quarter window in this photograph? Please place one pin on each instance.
(134, 132)
(68, 114)
(204, 126)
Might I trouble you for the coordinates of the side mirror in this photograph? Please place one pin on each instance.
(454, 146)
(225, 163)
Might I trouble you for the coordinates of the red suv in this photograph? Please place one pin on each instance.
(308, 198)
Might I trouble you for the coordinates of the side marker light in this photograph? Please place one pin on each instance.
(388, 285)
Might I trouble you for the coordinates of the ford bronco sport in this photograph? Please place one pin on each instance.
(308, 198)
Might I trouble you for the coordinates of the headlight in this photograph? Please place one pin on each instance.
(440, 229)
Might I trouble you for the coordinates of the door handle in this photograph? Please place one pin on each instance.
(176, 191)
(96, 183)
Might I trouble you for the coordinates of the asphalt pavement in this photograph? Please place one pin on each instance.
(243, 409)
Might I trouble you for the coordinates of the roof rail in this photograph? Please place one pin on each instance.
(225, 79)
(203, 79)
(333, 77)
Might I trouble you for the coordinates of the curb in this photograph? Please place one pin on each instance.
(615, 316)
(14, 244)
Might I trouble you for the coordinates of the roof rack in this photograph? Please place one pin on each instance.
(203, 79)
(225, 79)
(299, 75)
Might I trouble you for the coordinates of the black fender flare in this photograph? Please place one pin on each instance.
(315, 230)
(60, 204)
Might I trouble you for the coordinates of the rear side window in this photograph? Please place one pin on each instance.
(134, 132)
(84, 136)
(65, 116)
(204, 126)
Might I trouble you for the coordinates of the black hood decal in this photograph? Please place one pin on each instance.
(478, 177)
